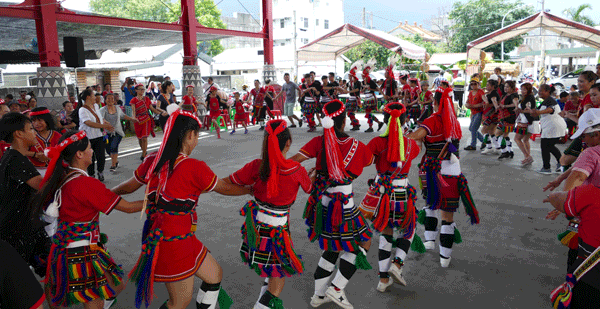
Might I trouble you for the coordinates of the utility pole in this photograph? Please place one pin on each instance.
(543, 49)
(295, 49)
(364, 18)
(370, 20)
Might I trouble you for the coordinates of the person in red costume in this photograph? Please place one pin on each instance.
(442, 179)
(267, 247)
(171, 253)
(390, 201)
(331, 215)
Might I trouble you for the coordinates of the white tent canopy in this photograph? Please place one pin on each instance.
(563, 27)
(346, 37)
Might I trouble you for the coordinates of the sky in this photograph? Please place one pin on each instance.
(386, 13)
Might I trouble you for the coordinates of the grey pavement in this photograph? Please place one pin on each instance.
(511, 260)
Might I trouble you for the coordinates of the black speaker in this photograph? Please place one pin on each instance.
(74, 54)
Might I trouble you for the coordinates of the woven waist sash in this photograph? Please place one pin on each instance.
(280, 236)
(143, 272)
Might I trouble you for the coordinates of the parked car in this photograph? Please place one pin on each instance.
(564, 82)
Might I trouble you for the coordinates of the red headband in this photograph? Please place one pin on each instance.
(276, 159)
(164, 171)
(2, 102)
(189, 86)
(450, 123)
(42, 112)
(53, 153)
(394, 134)
(138, 85)
(335, 165)
(213, 88)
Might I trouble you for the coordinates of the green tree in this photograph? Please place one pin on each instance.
(476, 18)
(366, 51)
(166, 11)
(369, 49)
(575, 14)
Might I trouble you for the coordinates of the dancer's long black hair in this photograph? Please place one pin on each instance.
(282, 138)
(46, 194)
(386, 116)
(174, 143)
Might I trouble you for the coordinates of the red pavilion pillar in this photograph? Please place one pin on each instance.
(267, 14)
(51, 85)
(191, 70)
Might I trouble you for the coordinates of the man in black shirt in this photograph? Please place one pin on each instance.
(314, 90)
(20, 225)
(370, 103)
(390, 88)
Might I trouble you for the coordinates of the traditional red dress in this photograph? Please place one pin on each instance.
(172, 215)
(415, 110)
(338, 225)
(391, 186)
(240, 112)
(259, 103)
(267, 220)
(213, 106)
(79, 263)
(143, 128)
(42, 144)
(189, 104)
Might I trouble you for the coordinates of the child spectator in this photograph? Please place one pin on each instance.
(240, 112)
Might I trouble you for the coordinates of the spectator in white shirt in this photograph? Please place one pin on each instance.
(91, 121)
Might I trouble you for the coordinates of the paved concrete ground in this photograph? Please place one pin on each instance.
(511, 260)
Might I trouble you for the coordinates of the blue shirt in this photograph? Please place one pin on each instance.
(128, 95)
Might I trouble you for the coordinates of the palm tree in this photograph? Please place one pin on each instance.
(576, 15)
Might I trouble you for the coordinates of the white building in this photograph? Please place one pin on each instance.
(314, 18)
(558, 51)
(241, 22)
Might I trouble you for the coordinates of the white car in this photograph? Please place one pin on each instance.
(564, 82)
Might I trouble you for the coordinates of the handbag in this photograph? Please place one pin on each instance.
(561, 296)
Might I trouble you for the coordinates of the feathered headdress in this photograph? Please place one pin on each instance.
(370, 65)
(355, 67)
(392, 63)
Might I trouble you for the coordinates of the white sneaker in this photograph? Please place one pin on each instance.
(397, 274)
(445, 262)
(382, 287)
(108, 303)
(338, 297)
(316, 301)
(429, 244)
(487, 151)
